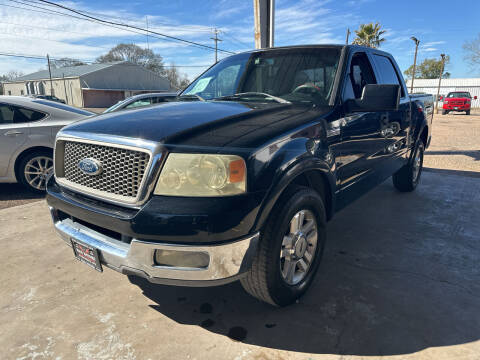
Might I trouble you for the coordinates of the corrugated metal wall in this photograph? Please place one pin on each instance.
(430, 86)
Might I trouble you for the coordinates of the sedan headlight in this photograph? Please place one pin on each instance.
(202, 175)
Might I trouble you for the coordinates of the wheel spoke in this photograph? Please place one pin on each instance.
(302, 265)
(33, 172)
(312, 238)
(289, 270)
(309, 225)
(297, 222)
(308, 257)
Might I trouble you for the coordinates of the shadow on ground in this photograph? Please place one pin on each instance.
(400, 274)
(474, 154)
(16, 194)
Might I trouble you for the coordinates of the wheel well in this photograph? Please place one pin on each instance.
(424, 135)
(317, 181)
(27, 152)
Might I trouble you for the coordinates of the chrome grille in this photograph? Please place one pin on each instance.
(123, 169)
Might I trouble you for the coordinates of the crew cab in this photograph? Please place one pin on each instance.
(457, 101)
(239, 181)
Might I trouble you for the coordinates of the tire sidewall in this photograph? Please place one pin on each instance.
(419, 147)
(283, 293)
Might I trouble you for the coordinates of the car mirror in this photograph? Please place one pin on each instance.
(376, 97)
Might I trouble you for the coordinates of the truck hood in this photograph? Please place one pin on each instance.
(206, 124)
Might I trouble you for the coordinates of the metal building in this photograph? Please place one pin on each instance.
(90, 86)
(430, 86)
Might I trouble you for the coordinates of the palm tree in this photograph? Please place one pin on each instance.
(369, 35)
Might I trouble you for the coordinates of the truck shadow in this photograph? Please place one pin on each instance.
(388, 284)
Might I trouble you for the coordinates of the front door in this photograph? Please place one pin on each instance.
(12, 136)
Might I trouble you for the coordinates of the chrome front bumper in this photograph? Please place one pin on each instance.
(227, 261)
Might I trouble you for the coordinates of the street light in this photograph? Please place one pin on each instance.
(416, 41)
(440, 80)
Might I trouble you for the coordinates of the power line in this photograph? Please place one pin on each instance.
(134, 27)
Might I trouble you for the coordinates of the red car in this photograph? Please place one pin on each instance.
(457, 101)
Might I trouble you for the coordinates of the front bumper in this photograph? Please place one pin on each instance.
(456, 107)
(227, 261)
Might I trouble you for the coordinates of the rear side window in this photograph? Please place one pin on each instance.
(10, 114)
(64, 107)
(139, 103)
(388, 74)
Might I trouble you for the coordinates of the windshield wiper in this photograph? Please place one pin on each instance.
(253, 94)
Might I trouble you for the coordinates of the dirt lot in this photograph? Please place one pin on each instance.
(400, 280)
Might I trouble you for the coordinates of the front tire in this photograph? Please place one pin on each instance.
(407, 178)
(33, 170)
(467, 112)
(444, 112)
(290, 248)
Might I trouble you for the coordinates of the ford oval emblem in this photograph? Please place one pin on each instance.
(90, 166)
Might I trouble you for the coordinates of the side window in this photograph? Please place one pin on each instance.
(6, 114)
(23, 115)
(387, 71)
(138, 103)
(360, 74)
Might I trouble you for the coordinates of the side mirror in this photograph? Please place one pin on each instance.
(376, 97)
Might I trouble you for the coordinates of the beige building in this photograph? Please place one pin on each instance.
(90, 86)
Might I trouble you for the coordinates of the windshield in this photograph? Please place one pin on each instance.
(295, 75)
(458, 95)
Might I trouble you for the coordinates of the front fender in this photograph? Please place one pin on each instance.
(296, 158)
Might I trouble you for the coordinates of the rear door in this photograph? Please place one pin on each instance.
(395, 125)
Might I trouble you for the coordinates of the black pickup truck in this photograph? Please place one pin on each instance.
(238, 178)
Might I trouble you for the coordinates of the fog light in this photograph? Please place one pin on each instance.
(182, 259)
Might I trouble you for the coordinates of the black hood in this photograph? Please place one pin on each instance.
(210, 123)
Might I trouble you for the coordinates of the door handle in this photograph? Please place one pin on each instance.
(13, 133)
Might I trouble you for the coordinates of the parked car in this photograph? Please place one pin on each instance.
(48, 97)
(458, 101)
(142, 100)
(239, 184)
(27, 131)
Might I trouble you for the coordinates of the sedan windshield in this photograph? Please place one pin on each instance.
(458, 95)
(282, 75)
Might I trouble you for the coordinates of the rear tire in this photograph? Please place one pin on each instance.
(407, 178)
(444, 112)
(467, 112)
(33, 170)
(286, 261)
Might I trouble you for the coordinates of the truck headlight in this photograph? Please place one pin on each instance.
(202, 175)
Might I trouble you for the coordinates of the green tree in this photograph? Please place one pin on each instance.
(429, 69)
(136, 55)
(369, 35)
(472, 49)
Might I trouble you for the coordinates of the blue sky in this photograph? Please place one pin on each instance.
(35, 32)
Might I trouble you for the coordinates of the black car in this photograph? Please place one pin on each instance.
(48, 97)
(239, 181)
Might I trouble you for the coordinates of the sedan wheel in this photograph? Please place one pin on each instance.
(34, 169)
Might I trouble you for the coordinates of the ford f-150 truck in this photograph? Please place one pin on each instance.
(239, 180)
(457, 101)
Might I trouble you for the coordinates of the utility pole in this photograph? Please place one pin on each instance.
(440, 80)
(416, 41)
(264, 21)
(65, 87)
(348, 35)
(146, 20)
(50, 73)
(216, 39)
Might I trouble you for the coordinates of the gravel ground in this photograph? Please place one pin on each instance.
(455, 143)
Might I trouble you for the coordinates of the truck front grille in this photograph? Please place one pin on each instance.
(122, 169)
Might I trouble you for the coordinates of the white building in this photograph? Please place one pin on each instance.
(430, 86)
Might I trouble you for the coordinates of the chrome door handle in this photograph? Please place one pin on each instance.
(13, 133)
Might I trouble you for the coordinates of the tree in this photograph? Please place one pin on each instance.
(472, 49)
(429, 69)
(136, 55)
(369, 35)
(177, 80)
(64, 62)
